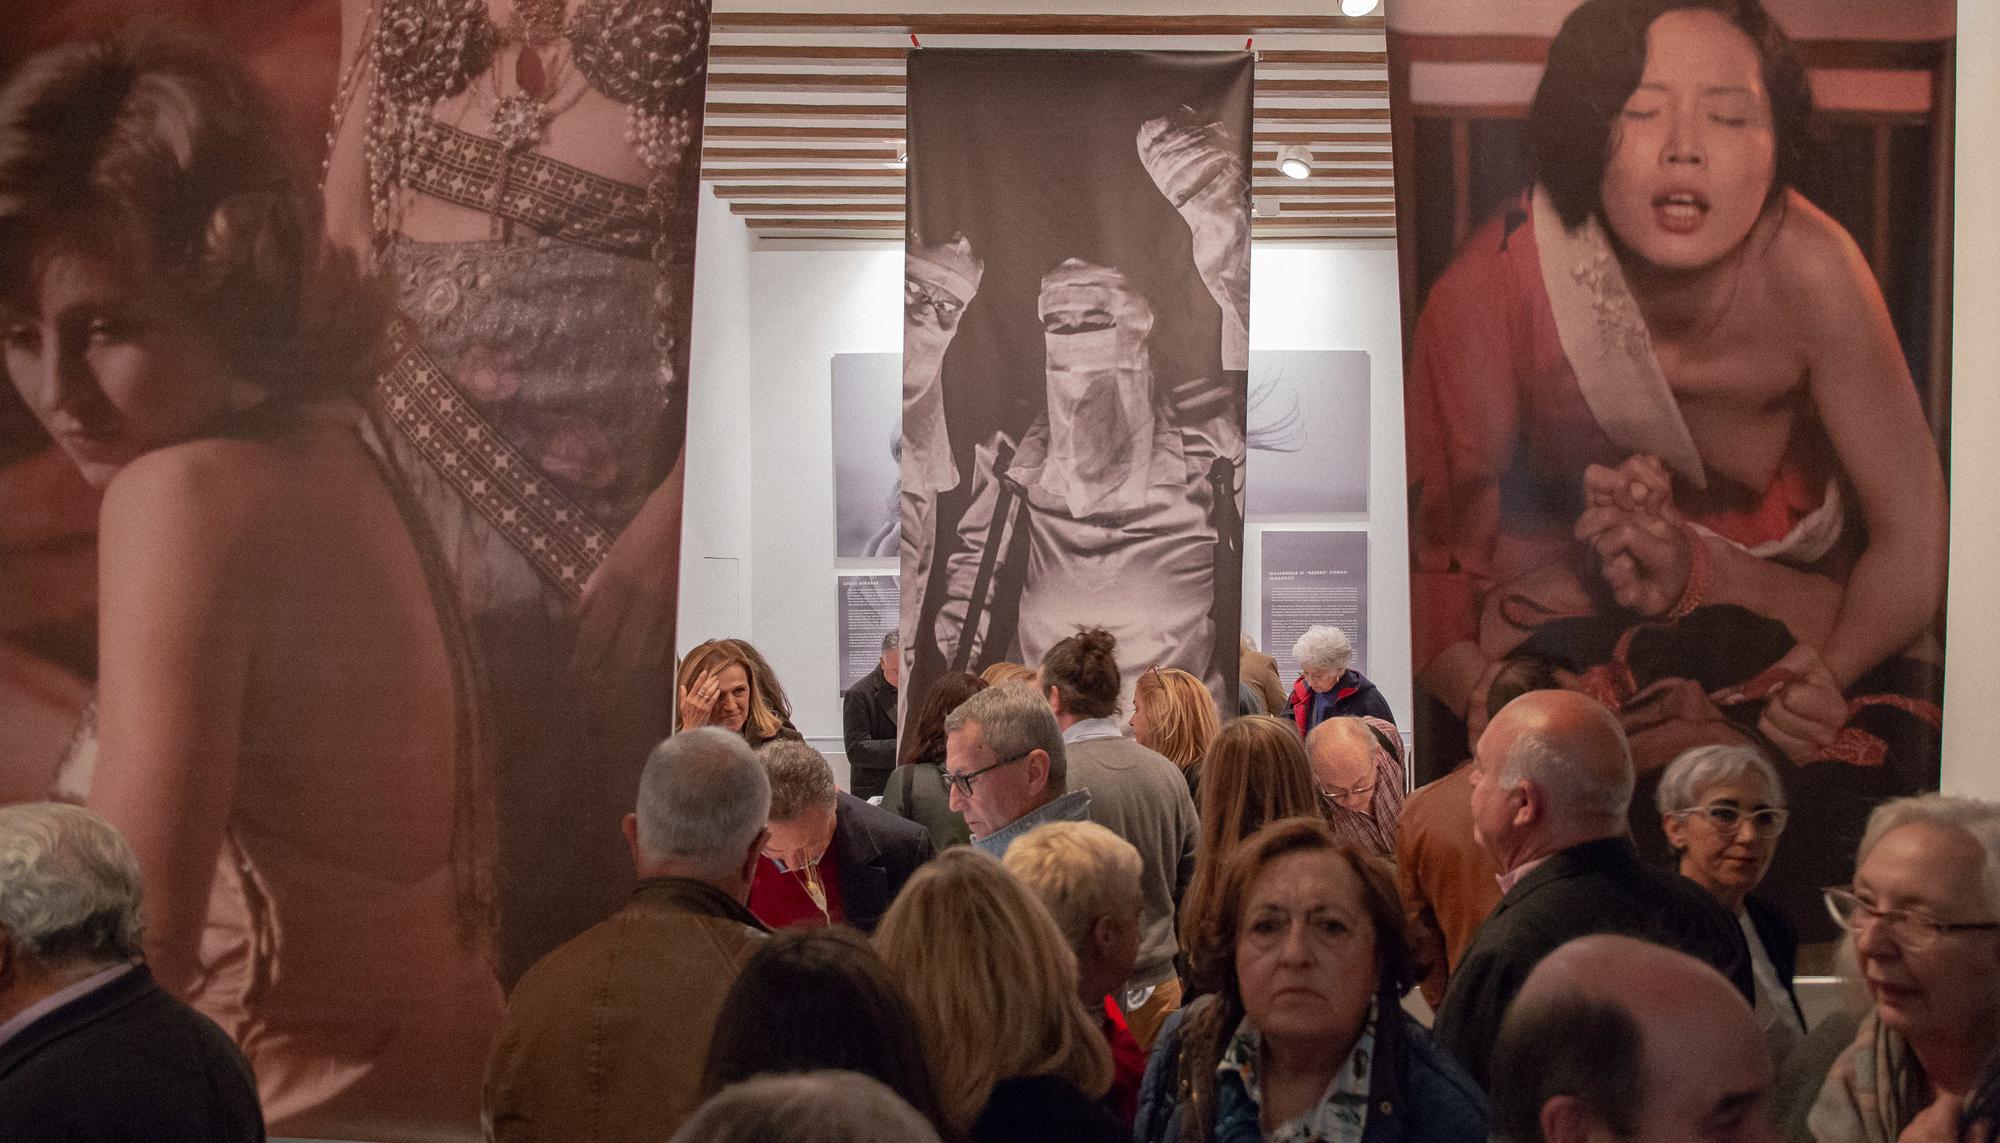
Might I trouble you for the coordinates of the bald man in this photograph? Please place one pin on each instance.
(1551, 782)
(1616, 1037)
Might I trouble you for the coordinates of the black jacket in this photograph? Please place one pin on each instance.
(1597, 887)
(125, 1064)
(868, 725)
(876, 852)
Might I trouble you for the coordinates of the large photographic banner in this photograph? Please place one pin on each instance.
(1676, 284)
(364, 660)
(1074, 358)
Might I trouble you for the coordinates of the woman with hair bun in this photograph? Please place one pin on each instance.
(286, 728)
(1137, 794)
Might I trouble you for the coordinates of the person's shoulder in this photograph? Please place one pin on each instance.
(1436, 1084)
(1044, 1107)
(210, 483)
(1813, 260)
(887, 826)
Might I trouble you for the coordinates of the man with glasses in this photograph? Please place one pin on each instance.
(1551, 786)
(1005, 766)
(1357, 763)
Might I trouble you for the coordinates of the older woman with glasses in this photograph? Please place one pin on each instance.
(1722, 808)
(1924, 918)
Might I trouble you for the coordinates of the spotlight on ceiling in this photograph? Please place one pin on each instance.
(1358, 7)
(1296, 162)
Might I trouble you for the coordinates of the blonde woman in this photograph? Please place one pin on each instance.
(1256, 772)
(994, 985)
(1000, 674)
(1173, 714)
(720, 684)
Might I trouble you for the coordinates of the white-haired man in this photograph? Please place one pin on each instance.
(90, 1048)
(1089, 879)
(605, 1038)
(1328, 686)
(1551, 785)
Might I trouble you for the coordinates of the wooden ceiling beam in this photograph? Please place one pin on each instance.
(1268, 59)
(1037, 24)
(886, 83)
(781, 192)
(897, 112)
(893, 132)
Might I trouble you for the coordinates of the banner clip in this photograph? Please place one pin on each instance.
(914, 42)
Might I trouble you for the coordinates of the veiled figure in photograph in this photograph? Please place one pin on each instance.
(1665, 446)
(1116, 503)
(521, 174)
(287, 729)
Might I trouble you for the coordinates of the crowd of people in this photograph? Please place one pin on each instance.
(1024, 919)
(1044, 938)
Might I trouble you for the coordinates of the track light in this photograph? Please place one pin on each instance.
(1296, 162)
(1358, 7)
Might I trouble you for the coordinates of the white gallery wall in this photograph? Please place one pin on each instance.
(760, 477)
(758, 555)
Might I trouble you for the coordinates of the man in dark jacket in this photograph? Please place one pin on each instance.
(868, 723)
(90, 1048)
(1551, 784)
(831, 857)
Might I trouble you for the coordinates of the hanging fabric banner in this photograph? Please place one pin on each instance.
(370, 701)
(1676, 385)
(1075, 352)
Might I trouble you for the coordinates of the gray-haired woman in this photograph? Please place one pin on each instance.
(1722, 808)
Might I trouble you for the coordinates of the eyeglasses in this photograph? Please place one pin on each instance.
(1912, 932)
(1765, 821)
(1341, 793)
(963, 782)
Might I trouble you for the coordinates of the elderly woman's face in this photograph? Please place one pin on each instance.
(1950, 987)
(110, 365)
(1305, 949)
(1726, 860)
(1320, 679)
(1693, 151)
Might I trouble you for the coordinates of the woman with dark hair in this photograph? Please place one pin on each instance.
(917, 790)
(1665, 352)
(1258, 773)
(1300, 1033)
(287, 727)
(1137, 794)
(813, 999)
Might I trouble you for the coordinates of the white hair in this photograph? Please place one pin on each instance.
(1323, 648)
(702, 800)
(1977, 819)
(1573, 788)
(69, 886)
(1693, 771)
(807, 1107)
(1074, 867)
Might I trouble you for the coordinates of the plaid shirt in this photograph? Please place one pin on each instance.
(1376, 829)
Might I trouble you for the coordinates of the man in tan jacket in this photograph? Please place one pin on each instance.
(604, 1040)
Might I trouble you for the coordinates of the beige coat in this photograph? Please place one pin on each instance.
(605, 1039)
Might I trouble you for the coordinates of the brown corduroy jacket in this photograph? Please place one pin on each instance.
(605, 1039)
